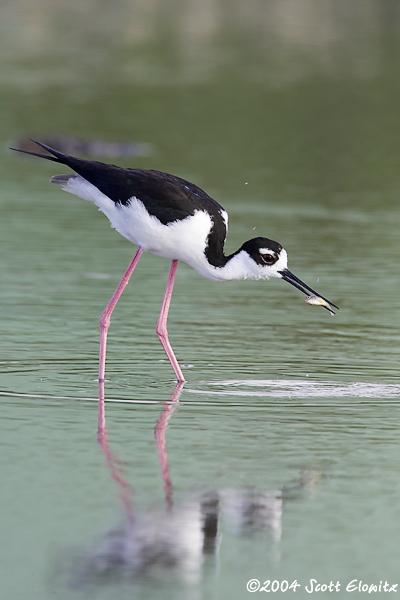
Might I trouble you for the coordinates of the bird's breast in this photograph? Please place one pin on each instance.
(183, 239)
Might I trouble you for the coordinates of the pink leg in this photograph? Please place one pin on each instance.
(106, 316)
(162, 323)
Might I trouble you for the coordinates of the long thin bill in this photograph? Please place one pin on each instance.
(303, 287)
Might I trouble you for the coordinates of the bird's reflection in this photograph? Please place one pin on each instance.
(179, 535)
(173, 536)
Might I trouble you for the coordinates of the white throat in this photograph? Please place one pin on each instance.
(242, 266)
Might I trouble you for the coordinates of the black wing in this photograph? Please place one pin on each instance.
(160, 192)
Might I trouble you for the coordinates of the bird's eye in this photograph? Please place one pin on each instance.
(269, 259)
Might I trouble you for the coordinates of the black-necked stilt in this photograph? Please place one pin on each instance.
(170, 217)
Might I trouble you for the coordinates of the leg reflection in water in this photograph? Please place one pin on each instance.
(159, 434)
(125, 491)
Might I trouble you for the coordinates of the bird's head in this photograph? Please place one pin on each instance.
(266, 259)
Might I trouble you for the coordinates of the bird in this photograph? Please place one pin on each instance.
(172, 218)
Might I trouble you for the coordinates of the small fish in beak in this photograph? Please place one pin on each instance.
(315, 298)
(318, 301)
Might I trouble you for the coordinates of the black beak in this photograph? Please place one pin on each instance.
(300, 285)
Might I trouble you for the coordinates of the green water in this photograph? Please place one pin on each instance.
(282, 450)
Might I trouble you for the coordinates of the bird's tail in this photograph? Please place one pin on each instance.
(57, 156)
(107, 178)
